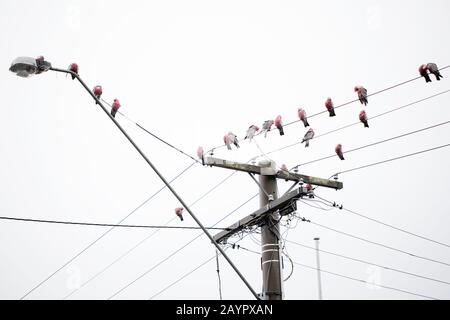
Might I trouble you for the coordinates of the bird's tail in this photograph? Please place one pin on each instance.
(306, 123)
(307, 144)
(332, 113)
(265, 134)
(228, 147)
(366, 124)
(280, 128)
(181, 217)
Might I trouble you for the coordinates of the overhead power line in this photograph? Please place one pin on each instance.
(346, 103)
(370, 263)
(380, 244)
(393, 159)
(358, 122)
(103, 234)
(376, 143)
(107, 224)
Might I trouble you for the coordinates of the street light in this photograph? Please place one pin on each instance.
(26, 66)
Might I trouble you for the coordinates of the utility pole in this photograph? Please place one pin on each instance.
(319, 279)
(272, 209)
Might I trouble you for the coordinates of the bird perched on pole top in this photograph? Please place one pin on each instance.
(97, 92)
(267, 125)
(284, 168)
(433, 68)
(279, 125)
(330, 107)
(362, 94)
(179, 212)
(363, 118)
(201, 155)
(302, 115)
(251, 131)
(308, 187)
(308, 136)
(73, 67)
(338, 150)
(115, 107)
(423, 70)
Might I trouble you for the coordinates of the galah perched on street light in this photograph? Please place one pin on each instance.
(423, 70)
(362, 94)
(279, 125)
(201, 155)
(330, 107)
(267, 125)
(302, 116)
(308, 136)
(97, 92)
(251, 131)
(433, 68)
(179, 212)
(338, 150)
(115, 107)
(74, 68)
(363, 118)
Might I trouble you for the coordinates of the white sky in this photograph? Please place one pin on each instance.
(190, 71)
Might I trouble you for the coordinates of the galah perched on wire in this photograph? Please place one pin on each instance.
(251, 131)
(179, 212)
(74, 68)
(115, 107)
(308, 136)
(338, 150)
(279, 125)
(97, 92)
(233, 139)
(201, 155)
(267, 125)
(423, 70)
(302, 116)
(433, 68)
(362, 94)
(363, 118)
(330, 107)
(309, 187)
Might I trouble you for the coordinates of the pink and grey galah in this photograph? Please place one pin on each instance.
(229, 139)
(302, 115)
(97, 92)
(433, 68)
(179, 212)
(251, 131)
(284, 168)
(73, 67)
(201, 155)
(279, 125)
(308, 136)
(115, 107)
(423, 70)
(362, 94)
(338, 151)
(267, 125)
(330, 107)
(363, 118)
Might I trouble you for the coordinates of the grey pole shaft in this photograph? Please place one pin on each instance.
(270, 244)
(163, 180)
(319, 279)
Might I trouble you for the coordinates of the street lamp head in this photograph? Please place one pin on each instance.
(26, 66)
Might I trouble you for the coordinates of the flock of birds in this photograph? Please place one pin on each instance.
(230, 138)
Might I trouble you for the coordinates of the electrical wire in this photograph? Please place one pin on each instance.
(218, 275)
(370, 263)
(346, 103)
(380, 244)
(151, 133)
(366, 282)
(389, 225)
(108, 225)
(103, 234)
(359, 123)
(376, 143)
(393, 159)
(176, 251)
(148, 237)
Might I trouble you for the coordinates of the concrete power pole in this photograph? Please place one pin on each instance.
(270, 242)
(269, 215)
(319, 279)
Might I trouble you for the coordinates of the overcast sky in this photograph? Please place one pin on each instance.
(190, 71)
